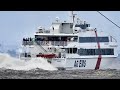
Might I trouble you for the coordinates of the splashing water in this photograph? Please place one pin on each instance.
(9, 62)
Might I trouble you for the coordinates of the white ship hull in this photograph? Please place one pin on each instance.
(79, 63)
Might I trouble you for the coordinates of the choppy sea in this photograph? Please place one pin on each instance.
(12, 68)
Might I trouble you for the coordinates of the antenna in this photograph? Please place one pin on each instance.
(72, 16)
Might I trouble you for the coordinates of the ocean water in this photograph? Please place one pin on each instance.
(8, 62)
(13, 68)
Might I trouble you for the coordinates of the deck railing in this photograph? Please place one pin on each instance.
(47, 43)
(27, 43)
(52, 43)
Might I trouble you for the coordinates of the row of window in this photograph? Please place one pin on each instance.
(93, 39)
(96, 51)
(56, 38)
(90, 51)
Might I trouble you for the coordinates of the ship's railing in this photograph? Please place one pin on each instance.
(112, 39)
(47, 43)
(25, 55)
(28, 43)
(42, 43)
(45, 31)
(52, 43)
(59, 43)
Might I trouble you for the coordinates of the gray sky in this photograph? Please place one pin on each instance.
(14, 25)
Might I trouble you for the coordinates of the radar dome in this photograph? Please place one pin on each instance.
(57, 18)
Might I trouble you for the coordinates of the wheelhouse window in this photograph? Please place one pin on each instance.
(96, 51)
(82, 26)
(103, 39)
(56, 38)
(93, 39)
(71, 50)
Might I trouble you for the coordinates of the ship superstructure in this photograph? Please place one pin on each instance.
(71, 45)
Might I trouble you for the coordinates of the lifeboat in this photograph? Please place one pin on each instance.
(46, 55)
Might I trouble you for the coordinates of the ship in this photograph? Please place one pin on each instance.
(70, 45)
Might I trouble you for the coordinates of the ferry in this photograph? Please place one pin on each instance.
(71, 45)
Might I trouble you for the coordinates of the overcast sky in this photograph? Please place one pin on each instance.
(14, 25)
